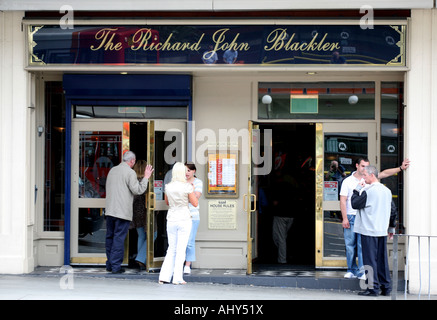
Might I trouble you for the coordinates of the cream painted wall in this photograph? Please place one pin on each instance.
(421, 144)
(221, 103)
(16, 254)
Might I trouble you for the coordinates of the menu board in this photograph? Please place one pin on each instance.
(222, 174)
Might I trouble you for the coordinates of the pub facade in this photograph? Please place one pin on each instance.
(247, 94)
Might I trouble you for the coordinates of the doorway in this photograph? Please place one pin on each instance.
(97, 146)
(293, 177)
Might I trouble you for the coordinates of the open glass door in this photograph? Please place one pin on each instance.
(259, 164)
(166, 146)
(337, 144)
(96, 148)
(248, 200)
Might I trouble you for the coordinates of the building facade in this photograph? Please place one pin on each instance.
(250, 94)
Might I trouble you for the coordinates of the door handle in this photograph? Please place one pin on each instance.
(152, 201)
(244, 203)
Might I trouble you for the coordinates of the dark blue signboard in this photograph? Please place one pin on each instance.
(212, 44)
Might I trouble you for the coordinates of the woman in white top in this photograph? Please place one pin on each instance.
(178, 193)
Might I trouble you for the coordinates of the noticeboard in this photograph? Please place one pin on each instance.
(222, 214)
(222, 174)
(330, 191)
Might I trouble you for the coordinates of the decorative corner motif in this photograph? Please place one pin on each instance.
(399, 60)
(34, 59)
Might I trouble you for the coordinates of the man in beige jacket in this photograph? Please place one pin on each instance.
(121, 185)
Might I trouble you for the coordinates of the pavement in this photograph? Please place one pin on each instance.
(73, 287)
(93, 292)
(67, 283)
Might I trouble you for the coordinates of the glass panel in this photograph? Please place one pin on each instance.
(136, 140)
(341, 152)
(168, 150)
(92, 230)
(333, 239)
(160, 234)
(99, 151)
(131, 112)
(54, 139)
(392, 138)
(345, 149)
(326, 100)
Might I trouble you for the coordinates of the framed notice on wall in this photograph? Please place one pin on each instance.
(222, 214)
(222, 174)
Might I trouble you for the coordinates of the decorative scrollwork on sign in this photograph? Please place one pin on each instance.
(399, 60)
(34, 59)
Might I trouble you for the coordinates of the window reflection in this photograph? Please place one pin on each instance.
(333, 238)
(99, 151)
(92, 230)
(54, 162)
(345, 149)
(341, 153)
(392, 140)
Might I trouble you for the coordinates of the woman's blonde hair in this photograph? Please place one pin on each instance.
(178, 172)
(139, 168)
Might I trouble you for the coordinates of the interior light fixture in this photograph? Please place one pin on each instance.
(266, 99)
(353, 99)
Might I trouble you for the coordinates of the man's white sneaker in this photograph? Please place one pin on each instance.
(362, 277)
(350, 275)
(187, 270)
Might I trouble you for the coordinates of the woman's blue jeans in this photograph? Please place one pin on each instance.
(191, 246)
(142, 245)
(352, 241)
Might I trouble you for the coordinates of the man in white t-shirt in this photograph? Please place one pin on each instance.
(353, 240)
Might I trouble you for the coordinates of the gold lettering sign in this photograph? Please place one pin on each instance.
(279, 39)
(143, 39)
(219, 38)
(106, 37)
(252, 44)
